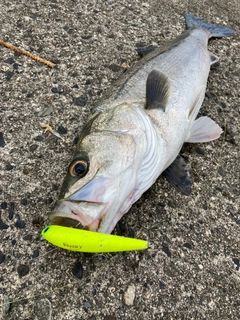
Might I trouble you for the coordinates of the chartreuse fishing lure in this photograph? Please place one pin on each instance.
(89, 241)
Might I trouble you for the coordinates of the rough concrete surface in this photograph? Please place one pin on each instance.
(191, 270)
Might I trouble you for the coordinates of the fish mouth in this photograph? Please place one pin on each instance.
(84, 208)
(93, 207)
(59, 220)
(78, 214)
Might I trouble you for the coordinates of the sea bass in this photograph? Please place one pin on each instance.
(137, 131)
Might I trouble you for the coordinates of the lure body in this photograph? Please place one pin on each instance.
(88, 241)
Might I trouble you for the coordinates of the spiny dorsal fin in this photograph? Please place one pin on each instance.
(157, 90)
(178, 174)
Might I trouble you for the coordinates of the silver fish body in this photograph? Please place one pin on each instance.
(137, 131)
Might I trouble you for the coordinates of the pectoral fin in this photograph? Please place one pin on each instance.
(204, 129)
(157, 90)
(178, 174)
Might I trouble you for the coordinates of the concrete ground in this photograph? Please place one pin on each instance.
(191, 270)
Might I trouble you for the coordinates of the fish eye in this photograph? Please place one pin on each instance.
(78, 168)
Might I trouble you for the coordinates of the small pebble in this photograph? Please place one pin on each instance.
(54, 90)
(129, 295)
(20, 224)
(237, 263)
(208, 94)
(35, 253)
(9, 167)
(33, 147)
(62, 130)
(9, 75)
(162, 285)
(10, 60)
(38, 138)
(187, 245)
(2, 257)
(4, 205)
(75, 141)
(223, 105)
(78, 270)
(205, 206)
(86, 37)
(80, 101)
(166, 250)
(11, 210)
(24, 202)
(88, 81)
(2, 142)
(22, 270)
(26, 170)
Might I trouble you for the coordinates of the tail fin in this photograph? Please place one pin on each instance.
(213, 29)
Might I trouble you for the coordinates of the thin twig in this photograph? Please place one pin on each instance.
(30, 55)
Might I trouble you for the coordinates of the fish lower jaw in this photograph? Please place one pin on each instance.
(73, 220)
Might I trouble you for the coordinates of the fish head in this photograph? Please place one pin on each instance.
(99, 180)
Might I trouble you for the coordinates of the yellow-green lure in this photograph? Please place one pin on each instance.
(89, 241)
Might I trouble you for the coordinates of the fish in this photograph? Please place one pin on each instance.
(136, 131)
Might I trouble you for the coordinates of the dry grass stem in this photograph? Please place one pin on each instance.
(30, 55)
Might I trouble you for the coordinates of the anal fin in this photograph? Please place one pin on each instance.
(213, 58)
(157, 90)
(204, 129)
(178, 174)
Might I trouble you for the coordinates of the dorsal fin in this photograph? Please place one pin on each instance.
(157, 90)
